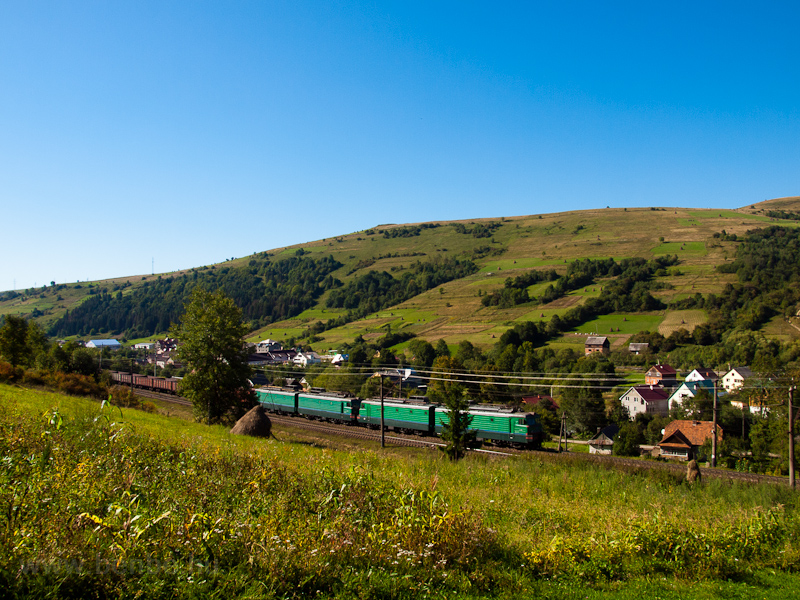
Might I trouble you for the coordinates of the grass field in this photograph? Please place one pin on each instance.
(621, 324)
(681, 249)
(681, 319)
(119, 503)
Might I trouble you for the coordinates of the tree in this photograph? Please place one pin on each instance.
(14, 339)
(456, 432)
(627, 441)
(211, 336)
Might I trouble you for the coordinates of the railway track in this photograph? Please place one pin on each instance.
(408, 441)
(164, 397)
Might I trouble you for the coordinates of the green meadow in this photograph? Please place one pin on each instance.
(115, 503)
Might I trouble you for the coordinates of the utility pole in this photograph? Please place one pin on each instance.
(561, 432)
(791, 436)
(714, 431)
(383, 434)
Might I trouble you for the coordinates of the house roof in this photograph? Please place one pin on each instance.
(663, 369)
(743, 371)
(676, 440)
(605, 437)
(693, 432)
(651, 393)
(596, 341)
(638, 346)
(695, 386)
(705, 373)
(98, 343)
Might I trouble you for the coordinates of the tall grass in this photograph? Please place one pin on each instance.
(109, 503)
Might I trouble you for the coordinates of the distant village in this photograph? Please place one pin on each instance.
(662, 391)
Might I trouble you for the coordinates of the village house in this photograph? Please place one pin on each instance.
(603, 441)
(702, 374)
(168, 344)
(596, 344)
(689, 389)
(683, 438)
(304, 359)
(275, 357)
(530, 403)
(663, 375)
(265, 346)
(649, 399)
(638, 347)
(735, 378)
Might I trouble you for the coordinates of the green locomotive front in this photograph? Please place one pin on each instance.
(500, 425)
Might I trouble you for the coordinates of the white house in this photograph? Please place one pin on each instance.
(702, 374)
(735, 378)
(144, 346)
(689, 389)
(304, 359)
(649, 399)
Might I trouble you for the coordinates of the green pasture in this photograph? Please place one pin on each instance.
(725, 214)
(626, 324)
(681, 249)
(501, 265)
(536, 314)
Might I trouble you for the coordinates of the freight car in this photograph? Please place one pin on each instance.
(167, 385)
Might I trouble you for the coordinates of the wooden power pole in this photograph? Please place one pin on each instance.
(791, 436)
(714, 430)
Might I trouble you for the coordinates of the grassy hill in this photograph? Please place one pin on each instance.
(116, 503)
(501, 248)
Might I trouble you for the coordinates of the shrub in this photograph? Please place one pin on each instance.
(77, 385)
(9, 373)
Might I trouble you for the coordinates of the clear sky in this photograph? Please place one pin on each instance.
(190, 132)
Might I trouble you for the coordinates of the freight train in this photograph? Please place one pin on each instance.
(167, 385)
(497, 425)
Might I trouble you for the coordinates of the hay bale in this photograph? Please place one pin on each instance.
(692, 472)
(254, 423)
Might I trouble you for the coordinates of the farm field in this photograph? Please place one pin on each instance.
(621, 324)
(183, 509)
(681, 319)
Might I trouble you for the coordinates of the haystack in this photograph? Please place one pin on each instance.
(255, 423)
(692, 472)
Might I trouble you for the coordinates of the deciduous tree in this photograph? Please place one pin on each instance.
(211, 336)
(456, 433)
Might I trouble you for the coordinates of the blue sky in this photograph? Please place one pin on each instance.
(191, 132)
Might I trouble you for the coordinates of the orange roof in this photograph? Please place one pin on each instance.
(694, 432)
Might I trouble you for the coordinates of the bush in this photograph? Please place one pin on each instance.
(77, 385)
(9, 373)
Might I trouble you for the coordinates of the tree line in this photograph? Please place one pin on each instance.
(266, 291)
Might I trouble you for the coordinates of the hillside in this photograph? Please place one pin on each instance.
(453, 310)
